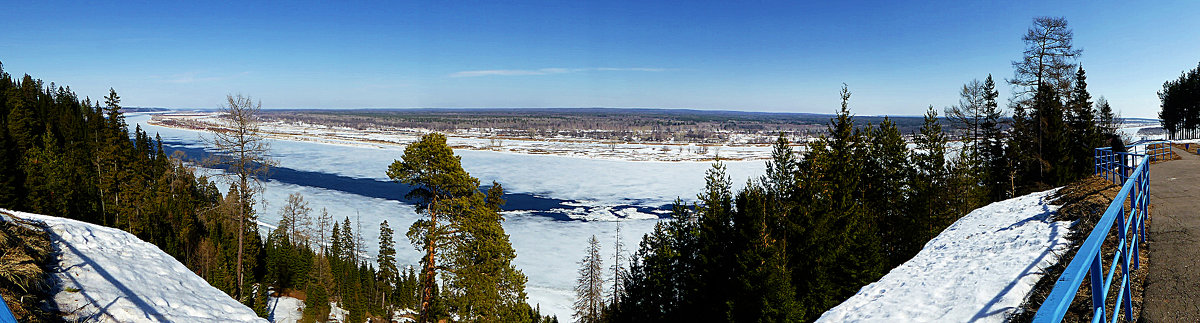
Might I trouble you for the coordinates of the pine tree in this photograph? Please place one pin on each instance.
(589, 287)
(1047, 59)
(462, 231)
(657, 282)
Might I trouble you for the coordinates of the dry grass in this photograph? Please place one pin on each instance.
(1191, 148)
(25, 252)
(1085, 201)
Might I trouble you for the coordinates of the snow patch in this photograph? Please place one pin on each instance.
(285, 309)
(978, 270)
(109, 275)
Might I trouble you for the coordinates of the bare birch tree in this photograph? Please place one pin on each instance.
(324, 223)
(295, 221)
(242, 152)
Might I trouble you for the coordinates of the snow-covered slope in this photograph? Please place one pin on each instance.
(977, 270)
(109, 275)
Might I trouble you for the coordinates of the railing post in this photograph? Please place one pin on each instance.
(1097, 279)
(1138, 221)
(1127, 246)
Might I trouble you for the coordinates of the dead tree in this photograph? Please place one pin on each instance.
(241, 151)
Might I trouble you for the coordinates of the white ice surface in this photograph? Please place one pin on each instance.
(977, 270)
(599, 181)
(109, 275)
(547, 249)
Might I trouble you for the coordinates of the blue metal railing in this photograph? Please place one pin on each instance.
(6, 316)
(1131, 232)
(1115, 166)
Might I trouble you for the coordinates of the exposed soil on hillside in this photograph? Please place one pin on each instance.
(1084, 202)
(25, 253)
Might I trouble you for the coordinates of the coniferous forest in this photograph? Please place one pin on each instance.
(824, 222)
(1180, 112)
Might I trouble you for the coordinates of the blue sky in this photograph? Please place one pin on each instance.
(790, 56)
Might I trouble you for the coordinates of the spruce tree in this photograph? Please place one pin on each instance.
(992, 159)
(930, 181)
(763, 291)
(1083, 135)
(388, 274)
(886, 174)
(715, 224)
(1108, 122)
(335, 244)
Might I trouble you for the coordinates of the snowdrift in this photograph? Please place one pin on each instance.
(109, 275)
(977, 270)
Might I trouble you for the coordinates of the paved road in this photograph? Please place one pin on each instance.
(1173, 284)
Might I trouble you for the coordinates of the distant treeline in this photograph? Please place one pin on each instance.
(646, 125)
(1180, 99)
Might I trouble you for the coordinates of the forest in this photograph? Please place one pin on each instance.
(73, 158)
(819, 226)
(1180, 99)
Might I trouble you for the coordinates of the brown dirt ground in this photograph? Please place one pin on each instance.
(1085, 200)
(25, 254)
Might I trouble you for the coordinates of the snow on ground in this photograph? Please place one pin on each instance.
(285, 309)
(977, 270)
(109, 275)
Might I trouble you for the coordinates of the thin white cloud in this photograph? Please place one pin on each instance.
(195, 77)
(552, 70)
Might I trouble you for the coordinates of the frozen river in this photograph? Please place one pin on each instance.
(555, 203)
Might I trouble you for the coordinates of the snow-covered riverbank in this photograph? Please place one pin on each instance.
(737, 148)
